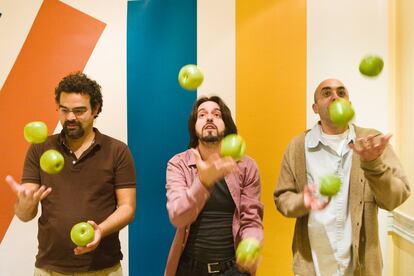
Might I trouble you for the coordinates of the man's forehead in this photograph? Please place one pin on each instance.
(209, 105)
(330, 83)
(75, 106)
(328, 87)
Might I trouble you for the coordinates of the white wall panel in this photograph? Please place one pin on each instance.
(216, 49)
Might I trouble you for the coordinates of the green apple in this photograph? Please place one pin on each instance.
(371, 65)
(190, 77)
(35, 132)
(52, 161)
(341, 112)
(248, 250)
(234, 146)
(82, 233)
(329, 185)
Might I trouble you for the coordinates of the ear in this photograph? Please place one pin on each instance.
(95, 110)
(315, 108)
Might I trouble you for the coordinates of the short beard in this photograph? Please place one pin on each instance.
(212, 139)
(73, 133)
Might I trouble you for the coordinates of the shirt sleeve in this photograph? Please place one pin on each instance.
(289, 198)
(186, 196)
(124, 169)
(387, 179)
(251, 209)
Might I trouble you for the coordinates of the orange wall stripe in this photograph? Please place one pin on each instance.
(60, 41)
(271, 104)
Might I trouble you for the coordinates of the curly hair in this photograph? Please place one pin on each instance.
(230, 126)
(78, 82)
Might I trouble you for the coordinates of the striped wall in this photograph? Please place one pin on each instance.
(264, 58)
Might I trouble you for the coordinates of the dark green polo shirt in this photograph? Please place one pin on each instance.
(84, 190)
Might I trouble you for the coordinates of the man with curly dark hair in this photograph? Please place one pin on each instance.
(97, 185)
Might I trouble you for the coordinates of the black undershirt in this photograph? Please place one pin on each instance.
(211, 237)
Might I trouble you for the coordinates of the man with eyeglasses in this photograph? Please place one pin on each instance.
(97, 184)
(338, 236)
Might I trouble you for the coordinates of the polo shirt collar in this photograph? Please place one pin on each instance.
(97, 140)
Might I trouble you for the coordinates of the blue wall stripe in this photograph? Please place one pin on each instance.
(161, 37)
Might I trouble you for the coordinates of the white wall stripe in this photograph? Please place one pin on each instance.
(339, 34)
(19, 248)
(216, 44)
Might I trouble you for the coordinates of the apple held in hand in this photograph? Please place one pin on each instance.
(341, 112)
(248, 250)
(234, 146)
(329, 185)
(82, 233)
(190, 77)
(35, 132)
(371, 65)
(52, 161)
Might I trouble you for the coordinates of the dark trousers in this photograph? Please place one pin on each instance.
(192, 267)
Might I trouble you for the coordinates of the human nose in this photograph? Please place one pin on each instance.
(335, 95)
(70, 115)
(209, 117)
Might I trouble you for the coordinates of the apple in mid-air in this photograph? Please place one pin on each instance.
(35, 132)
(190, 77)
(329, 185)
(371, 65)
(52, 161)
(233, 145)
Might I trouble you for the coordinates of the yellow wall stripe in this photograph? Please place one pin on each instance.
(271, 104)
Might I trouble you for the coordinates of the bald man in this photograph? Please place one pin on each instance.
(338, 235)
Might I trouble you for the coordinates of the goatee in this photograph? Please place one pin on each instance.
(212, 139)
(75, 133)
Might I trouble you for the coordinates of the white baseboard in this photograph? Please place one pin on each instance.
(402, 225)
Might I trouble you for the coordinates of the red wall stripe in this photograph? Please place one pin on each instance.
(60, 41)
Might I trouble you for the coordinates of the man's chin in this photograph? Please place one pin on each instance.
(211, 139)
(74, 134)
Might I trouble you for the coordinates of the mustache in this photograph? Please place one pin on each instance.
(209, 125)
(73, 122)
